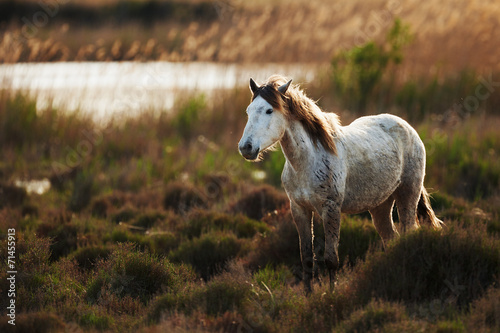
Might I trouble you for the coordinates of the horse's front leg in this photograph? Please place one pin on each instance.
(303, 221)
(331, 222)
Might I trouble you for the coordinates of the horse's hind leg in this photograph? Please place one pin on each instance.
(407, 198)
(382, 219)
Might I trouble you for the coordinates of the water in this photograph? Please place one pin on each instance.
(105, 89)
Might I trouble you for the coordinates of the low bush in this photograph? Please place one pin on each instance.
(185, 301)
(455, 265)
(125, 214)
(148, 219)
(39, 322)
(279, 246)
(163, 242)
(11, 195)
(260, 201)
(373, 317)
(273, 277)
(484, 315)
(182, 197)
(140, 275)
(209, 253)
(95, 321)
(64, 240)
(87, 257)
(323, 309)
(82, 192)
(225, 293)
(123, 235)
(202, 221)
(356, 238)
(100, 207)
(42, 283)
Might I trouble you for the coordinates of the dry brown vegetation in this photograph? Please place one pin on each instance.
(271, 31)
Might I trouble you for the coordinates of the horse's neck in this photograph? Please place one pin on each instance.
(297, 146)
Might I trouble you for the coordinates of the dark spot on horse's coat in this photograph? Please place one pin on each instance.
(321, 175)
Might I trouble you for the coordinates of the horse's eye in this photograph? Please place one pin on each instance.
(269, 111)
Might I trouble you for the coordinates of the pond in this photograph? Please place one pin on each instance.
(105, 89)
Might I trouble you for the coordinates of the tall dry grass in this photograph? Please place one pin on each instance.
(450, 35)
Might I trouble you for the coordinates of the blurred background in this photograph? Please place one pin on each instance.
(119, 123)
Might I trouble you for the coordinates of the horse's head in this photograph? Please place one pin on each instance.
(267, 121)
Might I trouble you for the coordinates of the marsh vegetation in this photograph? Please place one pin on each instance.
(155, 223)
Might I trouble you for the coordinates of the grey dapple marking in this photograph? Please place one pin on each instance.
(369, 165)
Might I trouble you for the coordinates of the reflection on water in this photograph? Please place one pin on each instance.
(34, 185)
(104, 89)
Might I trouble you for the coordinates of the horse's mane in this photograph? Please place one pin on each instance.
(296, 105)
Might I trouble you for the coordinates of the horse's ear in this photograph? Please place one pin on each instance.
(284, 87)
(253, 86)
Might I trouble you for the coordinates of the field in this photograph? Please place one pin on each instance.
(157, 224)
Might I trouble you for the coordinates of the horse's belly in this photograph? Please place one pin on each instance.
(367, 198)
(370, 182)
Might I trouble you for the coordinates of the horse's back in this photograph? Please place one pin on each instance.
(385, 129)
(377, 151)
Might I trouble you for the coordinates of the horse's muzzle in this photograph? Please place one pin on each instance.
(248, 151)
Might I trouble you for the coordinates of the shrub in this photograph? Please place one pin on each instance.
(324, 309)
(18, 120)
(100, 207)
(356, 73)
(202, 221)
(260, 201)
(98, 322)
(225, 293)
(40, 322)
(188, 115)
(11, 195)
(82, 192)
(87, 257)
(163, 242)
(64, 240)
(124, 235)
(273, 301)
(33, 253)
(184, 301)
(279, 246)
(273, 277)
(43, 284)
(461, 161)
(356, 237)
(148, 219)
(209, 253)
(484, 315)
(373, 317)
(124, 215)
(128, 272)
(182, 197)
(455, 266)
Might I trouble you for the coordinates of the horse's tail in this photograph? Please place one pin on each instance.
(425, 213)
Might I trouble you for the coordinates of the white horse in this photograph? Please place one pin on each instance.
(331, 169)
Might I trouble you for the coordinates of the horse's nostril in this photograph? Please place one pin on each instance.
(246, 147)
